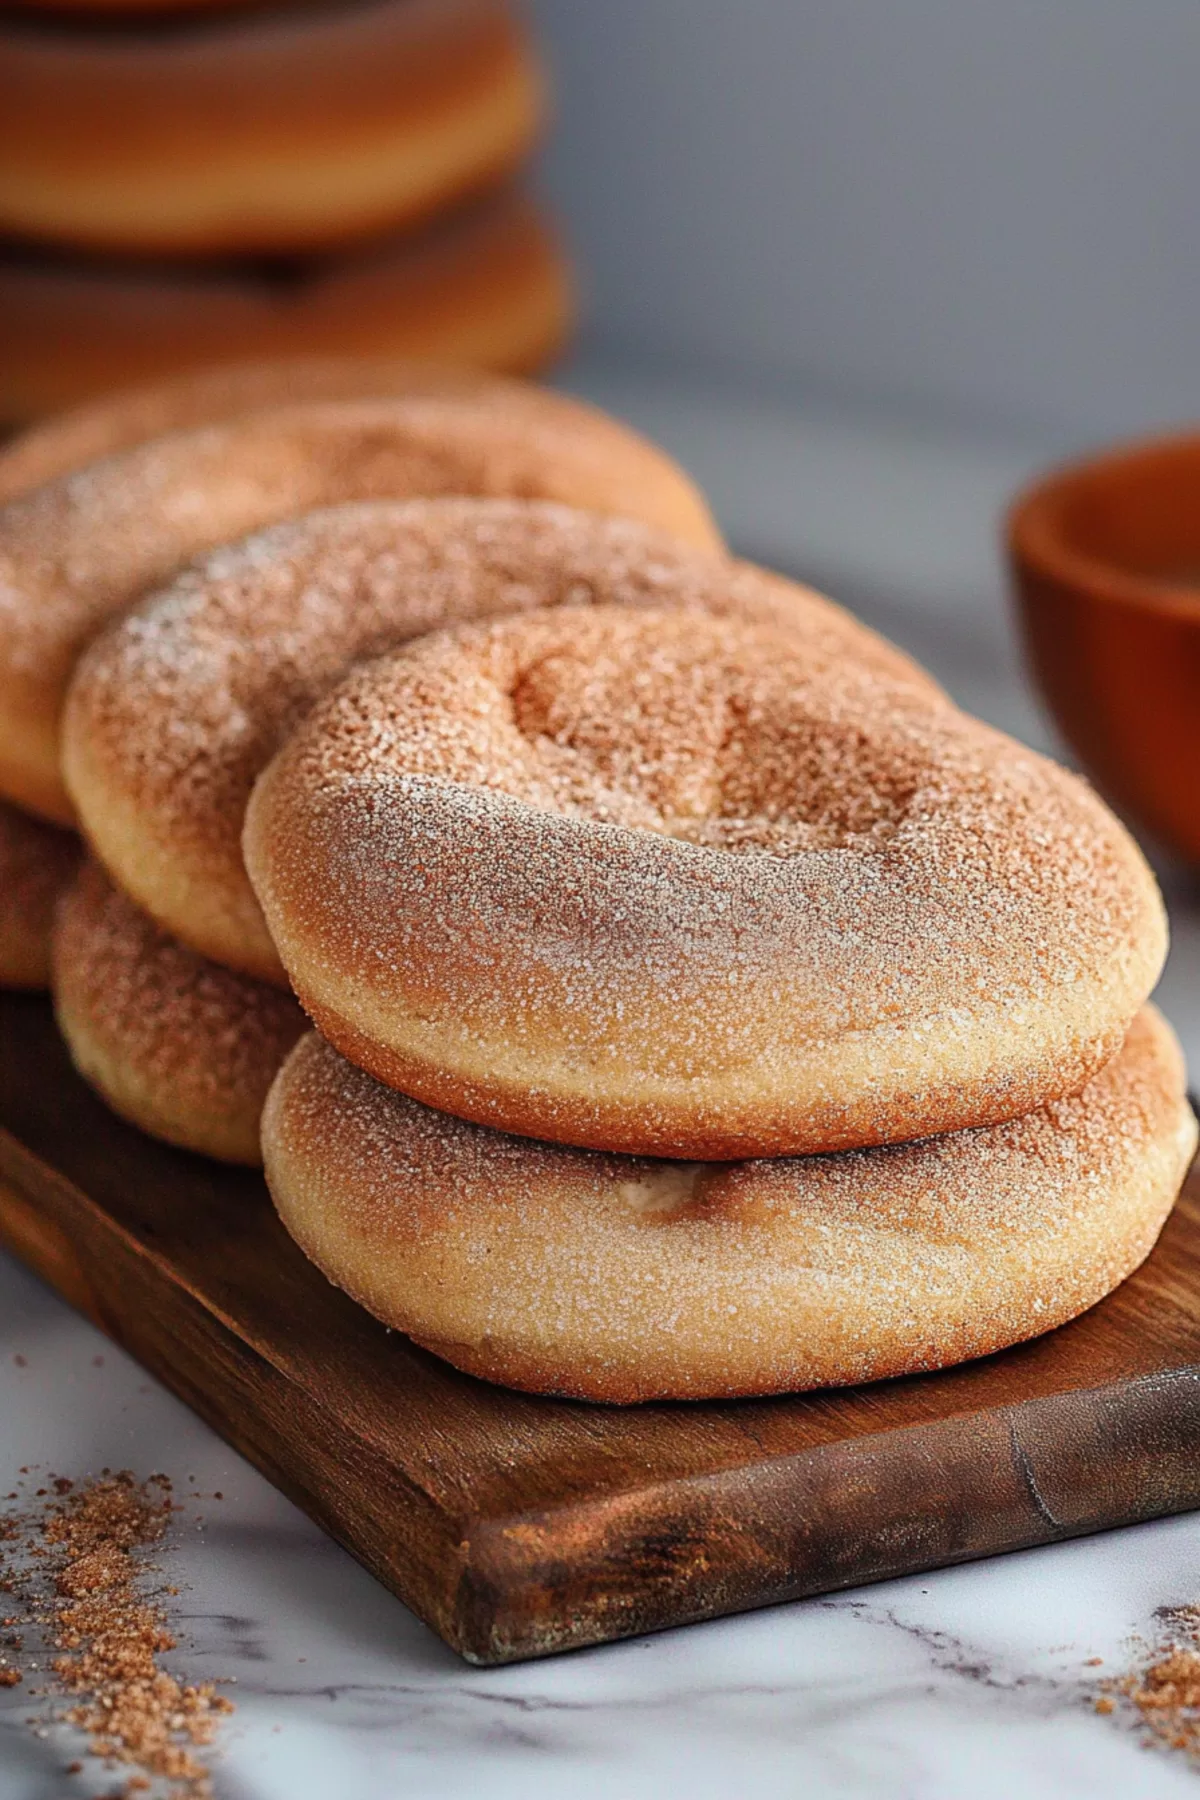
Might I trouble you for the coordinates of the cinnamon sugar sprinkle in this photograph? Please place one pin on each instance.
(76, 1572)
(1163, 1691)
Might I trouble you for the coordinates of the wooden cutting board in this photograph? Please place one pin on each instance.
(516, 1526)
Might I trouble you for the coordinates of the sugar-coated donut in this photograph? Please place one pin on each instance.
(79, 551)
(176, 1045)
(685, 886)
(262, 135)
(36, 863)
(36, 859)
(620, 1279)
(176, 708)
(117, 421)
(489, 288)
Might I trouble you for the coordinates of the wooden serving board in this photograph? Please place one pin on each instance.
(516, 1526)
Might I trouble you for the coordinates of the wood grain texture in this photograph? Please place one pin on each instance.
(517, 1527)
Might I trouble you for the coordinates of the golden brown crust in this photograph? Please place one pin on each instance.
(176, 1045)
(178, 707)
(674, 885)
(79, 551)
(259, 135)
(36, 863)
(489, 288)
(618, 1279)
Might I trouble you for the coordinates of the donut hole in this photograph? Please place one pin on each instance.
(680, 742)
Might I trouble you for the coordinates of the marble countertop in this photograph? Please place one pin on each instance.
(978, 1680)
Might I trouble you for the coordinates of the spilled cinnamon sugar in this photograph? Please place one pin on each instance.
(1164, 1689)
(76, 1566)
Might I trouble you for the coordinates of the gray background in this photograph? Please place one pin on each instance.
(978, 212)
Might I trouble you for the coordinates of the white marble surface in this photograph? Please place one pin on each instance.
(972, 1681)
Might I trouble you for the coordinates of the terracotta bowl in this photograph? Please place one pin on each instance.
(1106, 557)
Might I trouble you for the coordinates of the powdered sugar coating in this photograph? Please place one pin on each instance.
(177, 707)
(660, 882)
(619, 1279)
(179, 1046)
(80, 550)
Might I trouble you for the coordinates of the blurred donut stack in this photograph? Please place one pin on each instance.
(190, 181)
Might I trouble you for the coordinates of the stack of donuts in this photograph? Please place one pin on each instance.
(183, 181)
(639, 979)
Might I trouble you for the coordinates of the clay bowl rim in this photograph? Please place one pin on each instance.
(1036, 541)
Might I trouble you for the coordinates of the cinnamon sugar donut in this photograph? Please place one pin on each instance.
(489, 287)
(176, 1045)
(174, 711)
(674, 885)
(36, 863)
(618, 1279)
(79, 551)
(37, 860)
(263, 135)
